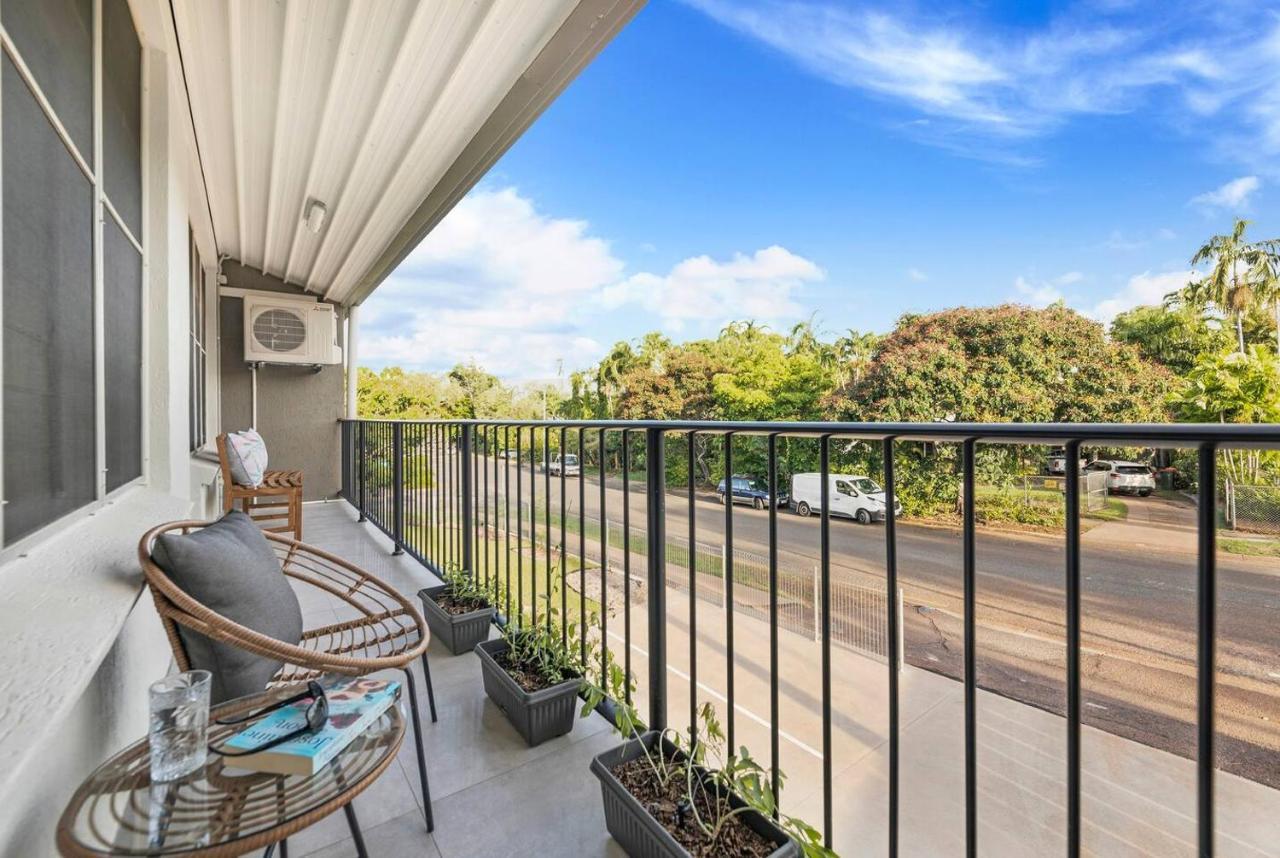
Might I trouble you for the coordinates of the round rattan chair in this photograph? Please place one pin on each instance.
(387, 631)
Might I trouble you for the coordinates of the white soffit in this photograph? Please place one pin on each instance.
(387, 111)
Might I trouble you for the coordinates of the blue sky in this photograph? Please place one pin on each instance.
(728, 159)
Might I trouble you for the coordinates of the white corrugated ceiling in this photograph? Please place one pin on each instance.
(363, 106)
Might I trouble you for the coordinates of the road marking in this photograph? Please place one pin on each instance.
(1094, 705)
(1274, 675)
(737, 706)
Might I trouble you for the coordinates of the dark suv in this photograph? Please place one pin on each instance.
(750, 491)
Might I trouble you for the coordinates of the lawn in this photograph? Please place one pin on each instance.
(1251, 547)
(528, 576)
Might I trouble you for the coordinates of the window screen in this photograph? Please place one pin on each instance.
(49, 455)
(55, 39)
(122, 298)
(122, 113)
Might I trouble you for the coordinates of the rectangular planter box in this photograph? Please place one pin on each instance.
(538, 715)
(640, 834)
(458, 632)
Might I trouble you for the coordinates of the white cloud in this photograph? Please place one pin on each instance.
(1233, 195)
(1042, 293)
(761, 286)
(517, 291)
(1142, 289)
(1122, 241)
(984, 89)
(497, 283)
(917, 275)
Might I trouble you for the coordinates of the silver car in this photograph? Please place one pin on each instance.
(568, 463)
(1126, 477)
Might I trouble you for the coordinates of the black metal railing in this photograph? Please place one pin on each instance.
(442, 491)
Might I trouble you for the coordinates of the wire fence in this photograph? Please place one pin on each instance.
(1252, 509)
(1042, 488)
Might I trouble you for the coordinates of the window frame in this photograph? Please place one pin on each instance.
(198, 336)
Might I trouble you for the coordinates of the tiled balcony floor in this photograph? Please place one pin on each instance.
(493, 795)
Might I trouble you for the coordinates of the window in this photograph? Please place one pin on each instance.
(845, 489)
(199, 354)
(49, 435)
(72, 379)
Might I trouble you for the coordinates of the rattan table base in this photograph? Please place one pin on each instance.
(216, 812)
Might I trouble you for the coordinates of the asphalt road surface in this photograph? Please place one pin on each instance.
(1138, 606)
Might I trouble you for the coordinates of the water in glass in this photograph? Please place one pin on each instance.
(179, 724)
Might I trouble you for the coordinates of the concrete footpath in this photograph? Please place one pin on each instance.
(1136, 801)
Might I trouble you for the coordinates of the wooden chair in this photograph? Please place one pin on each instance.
(387, 631)
(279, 498)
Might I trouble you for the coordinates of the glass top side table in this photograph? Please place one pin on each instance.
(217, 811)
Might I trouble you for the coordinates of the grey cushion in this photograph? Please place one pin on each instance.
(229, 568)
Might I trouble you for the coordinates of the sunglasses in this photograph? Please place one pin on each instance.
(317, 714)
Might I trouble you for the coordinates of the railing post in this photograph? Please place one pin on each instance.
(655, 485)
(360, 466)
(397, 486)
(468, 499)
(1206, 641)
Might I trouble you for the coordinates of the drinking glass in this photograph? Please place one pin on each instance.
(179, 724)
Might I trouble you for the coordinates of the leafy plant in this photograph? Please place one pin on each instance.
(710, 776)
(464, 587)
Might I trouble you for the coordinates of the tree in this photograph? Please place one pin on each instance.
(1238, 269)
(1175, 336)
(1007, 363)
(475, 385)
(1233, 388)
(854, 352)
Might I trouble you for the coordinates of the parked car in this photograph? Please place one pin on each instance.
(568, 463)
(855, 497)
(510, 453)
(1056, 464)
(750, 491)
(1127, 477)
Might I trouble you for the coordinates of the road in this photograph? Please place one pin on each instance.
(1138, 604)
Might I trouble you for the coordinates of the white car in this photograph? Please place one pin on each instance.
(856, 497)
(569, 464)
(1056, 464)
(1129, 477)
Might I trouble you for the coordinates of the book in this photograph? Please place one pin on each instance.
(354, 704)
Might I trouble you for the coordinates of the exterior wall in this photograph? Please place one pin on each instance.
(110, 713)
(294, 403)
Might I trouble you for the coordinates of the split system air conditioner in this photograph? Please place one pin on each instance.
(288, 330)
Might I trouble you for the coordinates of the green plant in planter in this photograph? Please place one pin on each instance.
(464, 587)
(539, 649)
(710, 776)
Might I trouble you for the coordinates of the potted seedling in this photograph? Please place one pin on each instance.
(666, 797)
(534, 679)
(458, 612)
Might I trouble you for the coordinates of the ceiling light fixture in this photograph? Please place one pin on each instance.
(315, 214)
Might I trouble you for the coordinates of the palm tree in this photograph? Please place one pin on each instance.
(1266, 279)
(856, 351)
(1231, 282)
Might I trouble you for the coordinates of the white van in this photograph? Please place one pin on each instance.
(853, 497)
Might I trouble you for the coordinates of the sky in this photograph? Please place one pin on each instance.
(845, 163)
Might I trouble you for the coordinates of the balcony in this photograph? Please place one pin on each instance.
(477, 761)
(873, 756)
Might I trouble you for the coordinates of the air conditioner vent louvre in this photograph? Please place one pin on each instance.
(280, 330)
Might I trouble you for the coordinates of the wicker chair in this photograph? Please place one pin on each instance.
(388, 631)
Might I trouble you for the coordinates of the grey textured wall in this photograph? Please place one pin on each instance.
(298, 408)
